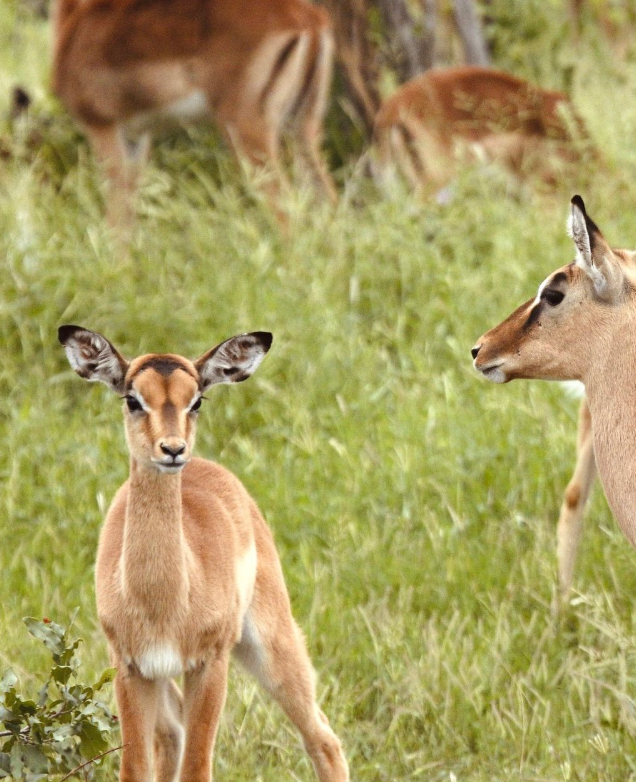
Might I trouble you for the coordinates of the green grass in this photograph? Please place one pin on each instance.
(413, 504)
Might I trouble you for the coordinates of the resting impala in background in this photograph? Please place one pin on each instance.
(122, 67)
(582, 326)
(187, 572)
(456, 115)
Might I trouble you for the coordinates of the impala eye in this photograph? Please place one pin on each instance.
(195, 407)
(552, 297)
(133, 404)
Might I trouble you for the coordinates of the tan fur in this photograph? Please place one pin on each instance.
(123, 66)
(456, 115)
(187, 573)
(587, 336)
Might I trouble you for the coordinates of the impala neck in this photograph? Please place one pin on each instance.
(154, 555)
(611, 390)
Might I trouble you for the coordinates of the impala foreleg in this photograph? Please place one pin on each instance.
(203, 701)
(137, 702)
(122, 161)
(570, 524)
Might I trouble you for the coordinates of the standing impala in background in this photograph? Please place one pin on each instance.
(455, 115)
(187, 572)
(122, 67)
(582, 326)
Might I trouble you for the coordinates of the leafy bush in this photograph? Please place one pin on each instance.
(66, 727)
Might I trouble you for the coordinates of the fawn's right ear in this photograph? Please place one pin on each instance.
(93, 357)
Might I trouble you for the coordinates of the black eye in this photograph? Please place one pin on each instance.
(552, 297)
(133, 404)
(196, 405)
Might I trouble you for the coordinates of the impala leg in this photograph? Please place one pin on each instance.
(310, 112)
(169, 733)
(137, 701)
(280, 662)
(122, 161)
(257, 143)
(570, 524)
(204, 697)
(273, 649)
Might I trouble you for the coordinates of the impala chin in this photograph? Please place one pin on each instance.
(171, 467)
(495, 374)
(492, 371)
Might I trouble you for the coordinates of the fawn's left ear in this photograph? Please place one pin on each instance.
(93, 357)
(593, 253)
(234, 360)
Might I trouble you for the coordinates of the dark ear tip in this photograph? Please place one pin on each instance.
(265, 338)
(64, 333)
(578, 202)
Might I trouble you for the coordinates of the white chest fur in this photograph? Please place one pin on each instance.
(159, 661)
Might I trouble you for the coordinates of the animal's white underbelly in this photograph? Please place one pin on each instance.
(191, 107)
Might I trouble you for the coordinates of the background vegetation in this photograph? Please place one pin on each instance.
(413, 504)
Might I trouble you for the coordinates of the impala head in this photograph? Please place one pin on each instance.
(162, 392)
(553, 336)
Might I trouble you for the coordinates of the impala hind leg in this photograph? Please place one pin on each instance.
(273, 649)
(137, 702)
(570, 524)
(310, 107)
(169, 733)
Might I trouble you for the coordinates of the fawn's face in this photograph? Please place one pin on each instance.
(162, 392)
(162, 398)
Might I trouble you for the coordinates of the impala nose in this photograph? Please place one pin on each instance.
(174, 448)
(475, 351)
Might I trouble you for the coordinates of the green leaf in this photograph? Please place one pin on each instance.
(107, 677)
(50, 633)
(8, 681)
(91, 740)
(16, 762)
(35, 760)
(61, 673)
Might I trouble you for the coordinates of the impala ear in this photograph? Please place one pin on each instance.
(593, 253)
(93, 357)
(234, 360)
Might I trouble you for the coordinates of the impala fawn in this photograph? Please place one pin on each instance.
(580, 326)
(187, 572)
(122, 67)
(450, 116)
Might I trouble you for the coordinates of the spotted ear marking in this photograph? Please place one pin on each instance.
(93, 357)
(234, 360)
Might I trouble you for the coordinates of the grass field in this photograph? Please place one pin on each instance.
(413, 504)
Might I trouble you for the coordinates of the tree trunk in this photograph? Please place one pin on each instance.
(356, 57)
(410, 41)
(469, 28)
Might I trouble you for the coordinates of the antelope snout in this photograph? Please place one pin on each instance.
(173, 446)
(174, 456)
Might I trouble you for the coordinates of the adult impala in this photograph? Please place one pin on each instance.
(122, 67)
(187, 572)
(581, 326)
(454, 115)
